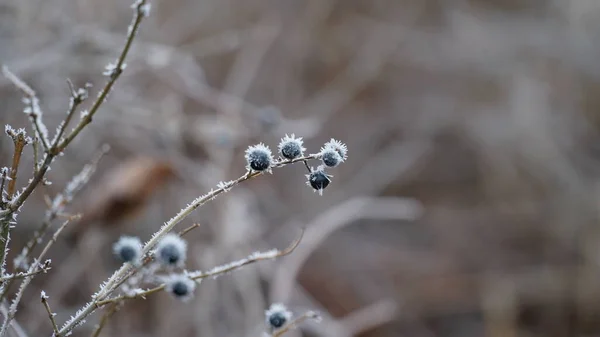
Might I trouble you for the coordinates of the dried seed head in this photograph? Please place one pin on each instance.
(277, 315)
(318, 179)
(291, 147)
(181, 287)
(338, 146)
(259, 158)
(171, 250)
(330, 156)
(128, 249)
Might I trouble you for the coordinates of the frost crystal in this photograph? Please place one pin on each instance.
(145, 9)
(225, 186)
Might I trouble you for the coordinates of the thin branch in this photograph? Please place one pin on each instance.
(12, 310)
(19, 140)
(35, 144)
(50, 314)
(189, 229)
(114, 71)
(33, 109)
(296, 322)
(107, 315)
(44, 268)
(220, 270)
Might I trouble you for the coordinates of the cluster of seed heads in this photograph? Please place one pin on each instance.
(259, 158)
(170, 253)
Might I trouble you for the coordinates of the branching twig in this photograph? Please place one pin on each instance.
(113, 71)
(107, 315)
(297, 321)
(44, 268)
(58, 204)
(12, 310)
(220, 270)
(50, 313)
(19, 140)
(124, 272)
(33, 109)
(189, 229)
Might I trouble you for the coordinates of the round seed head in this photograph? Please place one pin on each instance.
(277, 315)
(258, 158)
(291, 147)
(330, 157)
(181, 287)
(339, 147)
(318, 179)
(128, 249)
(171, 250)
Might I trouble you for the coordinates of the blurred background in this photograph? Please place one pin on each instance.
(468, 205)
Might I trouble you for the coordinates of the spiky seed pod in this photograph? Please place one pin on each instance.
(277, 315)
(181, 287)
(291, 147)
(330, 156)
(318, 179)
(339, 147)
(258, 158)
(171, 251)
(128, 249)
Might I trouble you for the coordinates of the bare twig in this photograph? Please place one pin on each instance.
(50, 313)
(33, 110)
(107, 315)
(297, 321)
(44, 268)
(12, 310)
(77, 97)
(189, 229)
(19, 140)
(114, 71)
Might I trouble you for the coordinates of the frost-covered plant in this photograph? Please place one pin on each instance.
(140, 274)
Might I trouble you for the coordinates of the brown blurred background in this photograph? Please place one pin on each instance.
(468, 205)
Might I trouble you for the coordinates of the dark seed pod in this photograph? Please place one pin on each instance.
(291, 147)
(318, 179)
(259, 158)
